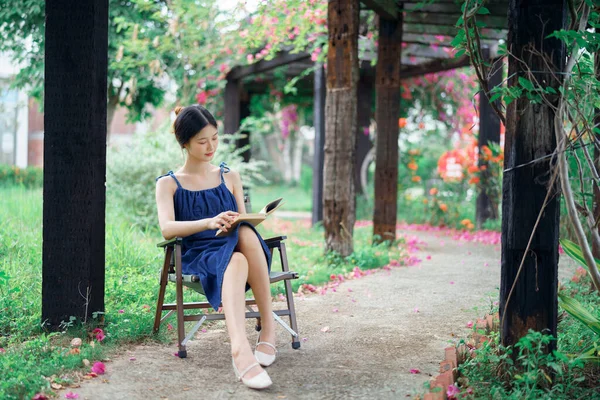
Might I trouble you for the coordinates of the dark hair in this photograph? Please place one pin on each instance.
(189, 121)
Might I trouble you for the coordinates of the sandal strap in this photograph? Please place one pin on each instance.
(267, 344)
(245, 371)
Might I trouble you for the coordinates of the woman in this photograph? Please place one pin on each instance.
(193, 203)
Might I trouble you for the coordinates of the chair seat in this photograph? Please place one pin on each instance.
(193, 282)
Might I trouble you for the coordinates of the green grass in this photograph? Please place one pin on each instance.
(296, 198)
(133, 263)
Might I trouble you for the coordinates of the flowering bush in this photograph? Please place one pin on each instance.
(30, 177)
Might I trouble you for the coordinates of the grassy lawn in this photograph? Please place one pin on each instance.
(296, 198)
(28, 355)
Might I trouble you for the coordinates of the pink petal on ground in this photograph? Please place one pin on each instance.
(71, 395)
(40, 396)
(452, 282)
(121, 311)
(203, 330)
(470, 324)
(452, 391)
(131, 358)
(415, 371)
(335, 310)
(349, 289)
(486, 264)
(325, 329)
(304, 339)
(176, 354)
(428, 257)
(99, 368)
(169, 327)
(416, 310)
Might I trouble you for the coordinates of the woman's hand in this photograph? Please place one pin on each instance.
(223, 221)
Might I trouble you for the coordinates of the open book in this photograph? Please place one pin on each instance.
(254, 218)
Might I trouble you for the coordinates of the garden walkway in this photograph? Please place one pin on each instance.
(360, 342)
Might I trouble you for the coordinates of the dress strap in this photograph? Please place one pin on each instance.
(172, 175)
(224, 169)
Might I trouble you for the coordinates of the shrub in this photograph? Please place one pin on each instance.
(132, 170)
(30, 177)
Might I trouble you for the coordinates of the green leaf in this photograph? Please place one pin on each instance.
(526, 83)
(483, 11)
(580, 313)
(574, 251)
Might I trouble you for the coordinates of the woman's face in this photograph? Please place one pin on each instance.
(204, 144)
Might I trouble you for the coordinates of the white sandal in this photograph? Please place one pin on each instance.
(260, 381)
(263, 358)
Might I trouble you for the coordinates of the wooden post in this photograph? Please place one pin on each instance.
(489, 132)
(387, 111)
(319, 124)
(530, 135)
(232, 106)
(596, 191)
(339, 212)
(76, 48)
(364, 111)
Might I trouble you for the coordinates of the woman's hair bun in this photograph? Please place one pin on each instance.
(178, 110)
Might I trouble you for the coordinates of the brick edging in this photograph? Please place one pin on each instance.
(454, 356)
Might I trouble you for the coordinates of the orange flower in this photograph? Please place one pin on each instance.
(412, 166)
(425, 201)
(433, 191)
(416, 178)
(401, 122)
(474, 180)
(483, 167)
(443, 207)
(465, 222)
(472, 169)
(487, 153)
(421, 125)
(414, 152)
(470, 226)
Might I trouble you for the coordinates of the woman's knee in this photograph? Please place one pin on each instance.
(247, 236)
(238, 261)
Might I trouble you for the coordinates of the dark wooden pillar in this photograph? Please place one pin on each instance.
(232, 106)
(319, 124)
(364, 111)
(596, 191)
(339, 213)
(75, 88)
(387, 83)
(530, 135)
(489, 132)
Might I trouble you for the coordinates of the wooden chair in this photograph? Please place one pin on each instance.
(172, 272)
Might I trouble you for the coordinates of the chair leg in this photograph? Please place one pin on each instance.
(161, 292)
(180, 322)
(289, 295)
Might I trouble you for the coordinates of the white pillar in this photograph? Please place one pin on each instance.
(22, 130)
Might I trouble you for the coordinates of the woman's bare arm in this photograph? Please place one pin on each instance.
(165, 189)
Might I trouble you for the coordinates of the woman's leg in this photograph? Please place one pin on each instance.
(258, 278)
(234, 307)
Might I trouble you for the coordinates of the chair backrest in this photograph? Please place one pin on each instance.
(247, 202)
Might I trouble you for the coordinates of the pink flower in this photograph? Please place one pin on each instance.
(169, 327)
(415, 371)
(99, 368)
(2, 350)
(452, 391)
(121, 311)
(71, 395)
(40, 396)
(100, 337)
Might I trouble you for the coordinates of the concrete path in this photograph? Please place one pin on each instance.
(380, 327)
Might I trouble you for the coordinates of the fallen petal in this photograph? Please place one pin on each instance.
(415, 371)
(325, 329)
(71, 395)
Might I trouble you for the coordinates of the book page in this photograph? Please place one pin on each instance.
(253, 219)
(272, 206)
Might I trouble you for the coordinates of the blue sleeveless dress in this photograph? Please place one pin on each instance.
(203, 254)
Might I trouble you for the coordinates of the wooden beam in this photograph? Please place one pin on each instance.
(266, 65)
(499, 9)
(434, 66)
(446, 30)
(384, 8)
(427, 19)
